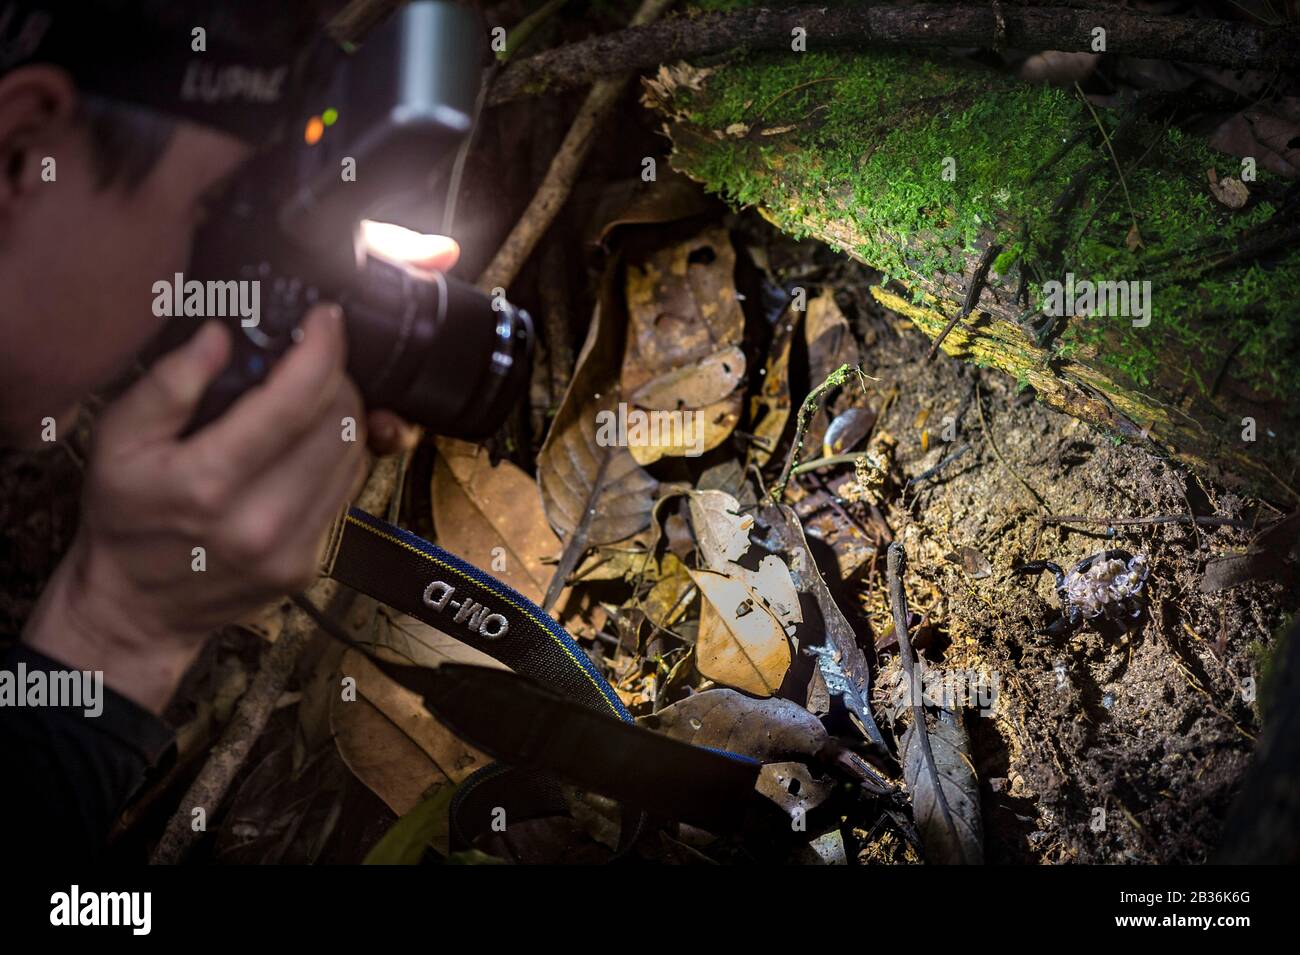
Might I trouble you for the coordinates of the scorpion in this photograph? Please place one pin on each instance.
(1107, 584)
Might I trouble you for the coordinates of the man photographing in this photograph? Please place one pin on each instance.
(100, 198)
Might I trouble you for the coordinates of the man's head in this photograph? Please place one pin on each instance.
(99, 200)
(96, 204)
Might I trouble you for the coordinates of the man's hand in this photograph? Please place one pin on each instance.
(249, 498)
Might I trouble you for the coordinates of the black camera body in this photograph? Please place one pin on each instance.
(431, 348)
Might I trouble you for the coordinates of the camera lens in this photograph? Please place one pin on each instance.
(436, 350)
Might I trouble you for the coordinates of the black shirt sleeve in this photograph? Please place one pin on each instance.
(65, 776)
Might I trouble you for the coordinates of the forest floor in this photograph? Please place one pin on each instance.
(1100, 746)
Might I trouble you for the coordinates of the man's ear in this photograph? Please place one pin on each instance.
(34, 102)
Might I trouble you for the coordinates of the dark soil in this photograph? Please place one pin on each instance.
(1150, 726)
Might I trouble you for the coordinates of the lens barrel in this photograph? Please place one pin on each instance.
(431, 348)
(436, 350)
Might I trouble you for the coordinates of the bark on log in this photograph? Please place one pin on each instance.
(1127, 32)
(916, 166)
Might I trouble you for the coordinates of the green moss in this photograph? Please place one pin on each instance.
(852, 147)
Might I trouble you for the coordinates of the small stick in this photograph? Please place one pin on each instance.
(1113, 158)
(563, 172)
(977, 282)
(895, 563)
(826, 462)
(988, 436)
(257, 704)
(809, 407)
(1157, 519)
(924, 475)
(1058, 27)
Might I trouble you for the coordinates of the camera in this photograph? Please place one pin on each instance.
(432, 348)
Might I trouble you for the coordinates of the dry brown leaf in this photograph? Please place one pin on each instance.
(671, 594)
(741, 644)
(835, 643)
(721, 531)
(830, 340)
(773, 584)
(684, 328)
(413, 641)
(391, 742)
(1133, 240)
(830, 345)
(661, 89)
(682, 306)
(711, 426)
(707, 382)
(388, 763)
(629, 560)
(823, 520)
(769, 409)
(492, 516)
(670, 196)
(951, 829)
(1269, 133)
(571, 458)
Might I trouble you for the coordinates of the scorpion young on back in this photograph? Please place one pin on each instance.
(1107, 584)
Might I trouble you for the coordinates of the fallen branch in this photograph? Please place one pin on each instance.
(973, 289)
(931, 472)
(563, 171)
(1185, 39)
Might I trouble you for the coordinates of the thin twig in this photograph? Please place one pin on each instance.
(758, 117)
(925, 475)
(255, 707)
(576, 545)
(563, 172)
(973, 289)
(988, 436)
(1157, 519)
(827, 462)
(522, 31)
(895, 564)
(1113, 158)
(807, 409)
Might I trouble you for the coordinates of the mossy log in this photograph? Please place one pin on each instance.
(917, 166)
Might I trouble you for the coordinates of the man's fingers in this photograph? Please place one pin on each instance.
(267, 420)
(389, 434)
(163, 401)
(315, 471)
(437, 256)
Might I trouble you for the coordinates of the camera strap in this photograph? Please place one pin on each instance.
(554, 718)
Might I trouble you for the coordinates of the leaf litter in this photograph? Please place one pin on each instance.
(737, 600)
